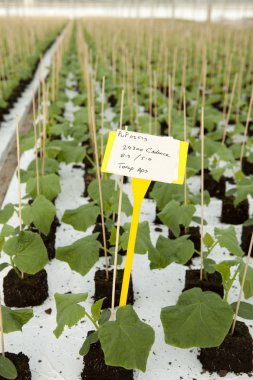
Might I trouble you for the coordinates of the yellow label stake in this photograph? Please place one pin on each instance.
(139, 187)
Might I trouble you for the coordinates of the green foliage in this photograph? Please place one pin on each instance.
(49, 186)
(82, 217)
(6, 213)
(173, 215)
(163, 193)
(127, 341)
(245, 310)
(66, 151)
(81, 255)
(199, 319)
(248, 286)
(27, 252)
(51, 166)
(168, 251)
(227, 239)
(14, 320)
(7, 368)
(143, 242)
(110, 196)
(41, 213)
(69, 312)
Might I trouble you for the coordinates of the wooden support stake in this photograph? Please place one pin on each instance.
(18, 170)
(2, 327)
(35, 145)
(242, 284)
(169, 104)
(202, 195)
(246, 126)
(99, 189)
(102, 121)
(229, 110)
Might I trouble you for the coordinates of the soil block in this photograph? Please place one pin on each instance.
(247, 167)
(215, 188)
(232, 214)
(96, 369)
(194, 233)
(30, 291)
(103, 288)
(233, 355)
(49, 240)
(21, 363)
(213, 283)
(246, 237)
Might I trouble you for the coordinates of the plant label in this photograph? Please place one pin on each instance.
(144, 156)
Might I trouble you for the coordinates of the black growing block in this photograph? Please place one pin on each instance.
(21, 363)
(150, 188)
(232, 214)
(233, 355)
(246, 237)
(96, 369)
(213, 283)
(103, 288)
(215, 188)
(30, 291)
(247, 167)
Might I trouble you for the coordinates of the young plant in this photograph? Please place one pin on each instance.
(12, 320)
(126, 341)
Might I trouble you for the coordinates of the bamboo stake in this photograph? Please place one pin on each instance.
(18, 170)
(169, 104)
(44, 133)
(102, 121)
(150, 100)
(185, 138)
(155, 102)
(2, 327)
(229, 110)
(242, 284)
(202, 195)
(100, 190)
(35, 145)
(118, 220)
(246, 126)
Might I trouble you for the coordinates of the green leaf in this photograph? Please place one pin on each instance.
(245, 310)
(199, 319)
(227, 239)
(27, 215)
(28, 252)
(68, 310)
(168, 251)
(127, 341)
(43, 213)
(49, 186)
(244, 188)
(14, 320)
(82, 217)
(248, 286)
(143, 242)
(208, 240)
(69, 151)
(104, 316)
(50, 166)
(7, 368)
(92, 338)
(173, 215)
(163, 193)
(7, 230)
(81, 255)
(96, 309)
(110, 196)
(3, 266)
(6, 213)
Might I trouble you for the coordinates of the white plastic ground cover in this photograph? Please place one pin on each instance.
(59, 359)
(22, 106)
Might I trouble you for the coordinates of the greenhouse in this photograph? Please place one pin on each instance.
(126, 190)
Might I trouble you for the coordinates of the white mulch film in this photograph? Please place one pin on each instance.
(59, 359)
